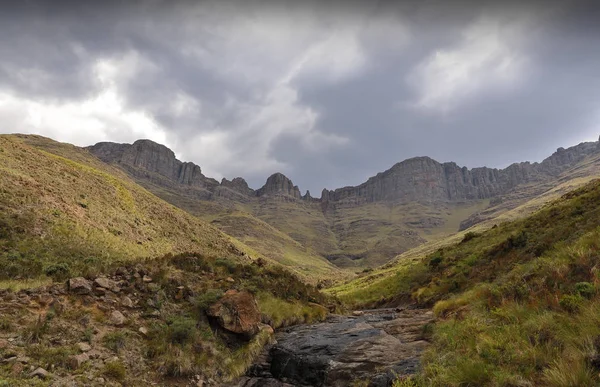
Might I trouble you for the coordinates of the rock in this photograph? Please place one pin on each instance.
(266, 327)
(279, 184)
(126, 302)
(237, 313)
(229, 279)
(104, 282)
(40, 373)
(147, 279)
(157, 159)
(117, 318)
(94, 354)
(100, 291)
(143, 331)
(358, 313)
(376, 348)
(80, 285)
(84, 347)
(77, 361)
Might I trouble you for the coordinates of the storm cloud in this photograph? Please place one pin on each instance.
(328, 93)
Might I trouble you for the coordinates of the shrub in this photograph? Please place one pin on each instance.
(59, 271)
(115, 341)
(182, 331)
(571, 303)
(468, 236)
(205, 300)
(585, 289)
(115, 370)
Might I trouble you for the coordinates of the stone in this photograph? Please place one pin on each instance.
(358, 313)
(80, 285)
(266, 328)
(229, 279)
(84, 347)
(237, 313)
(40, 373)
(94, 354)
(147, 279)
(99, 291)
(126, 302)
(104, 282)
(77, 361)
(117, 318)
(143, 331)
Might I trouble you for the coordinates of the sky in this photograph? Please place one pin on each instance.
(327, 92)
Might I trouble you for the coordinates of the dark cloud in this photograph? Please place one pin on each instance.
(328, 93)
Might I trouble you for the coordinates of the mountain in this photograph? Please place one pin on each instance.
(416, 201)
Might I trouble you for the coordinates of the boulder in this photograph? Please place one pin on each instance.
(40, 373)
(77, 361)
(237, 313)
(80, 285)
(84, 347)
(117, 318)
(104, 282)
(126, 302)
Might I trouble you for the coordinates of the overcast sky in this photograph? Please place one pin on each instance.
(326, 94)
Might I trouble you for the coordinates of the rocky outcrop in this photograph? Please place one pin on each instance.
(237, 312)
(279, 184)
(377, 346)
(423, 179)
(419, 179)
(156, 162)
(239, 185)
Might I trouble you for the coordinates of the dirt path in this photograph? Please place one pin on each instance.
(374, 347)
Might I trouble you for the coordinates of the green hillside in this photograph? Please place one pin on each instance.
(149, 270)
(62, 206)
(517, 305)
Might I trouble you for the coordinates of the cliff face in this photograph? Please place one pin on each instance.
(419, 179)
(148, 159)
(279, 184)
(423, 179)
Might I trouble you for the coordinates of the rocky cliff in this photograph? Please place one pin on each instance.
(423, 179)
(145, 158)
(419, 179)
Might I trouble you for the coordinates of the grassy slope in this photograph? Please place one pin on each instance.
(235, 219)
(80, 212)
(378, 285)
(72, 215)
(518, 304)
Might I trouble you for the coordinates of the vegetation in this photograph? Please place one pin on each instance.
(46, 231)
(64, 213)
(516, 305)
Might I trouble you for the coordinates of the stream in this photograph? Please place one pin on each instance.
(374, 347)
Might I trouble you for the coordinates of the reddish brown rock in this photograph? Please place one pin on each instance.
(237, 313)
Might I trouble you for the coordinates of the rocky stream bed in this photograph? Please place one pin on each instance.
(374, 346)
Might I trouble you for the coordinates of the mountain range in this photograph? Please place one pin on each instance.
(415, 201)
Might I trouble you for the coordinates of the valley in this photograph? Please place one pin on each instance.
(121, 265)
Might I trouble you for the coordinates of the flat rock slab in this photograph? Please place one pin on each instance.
(375, 346)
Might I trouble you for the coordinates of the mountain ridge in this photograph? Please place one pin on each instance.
(415, 179)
